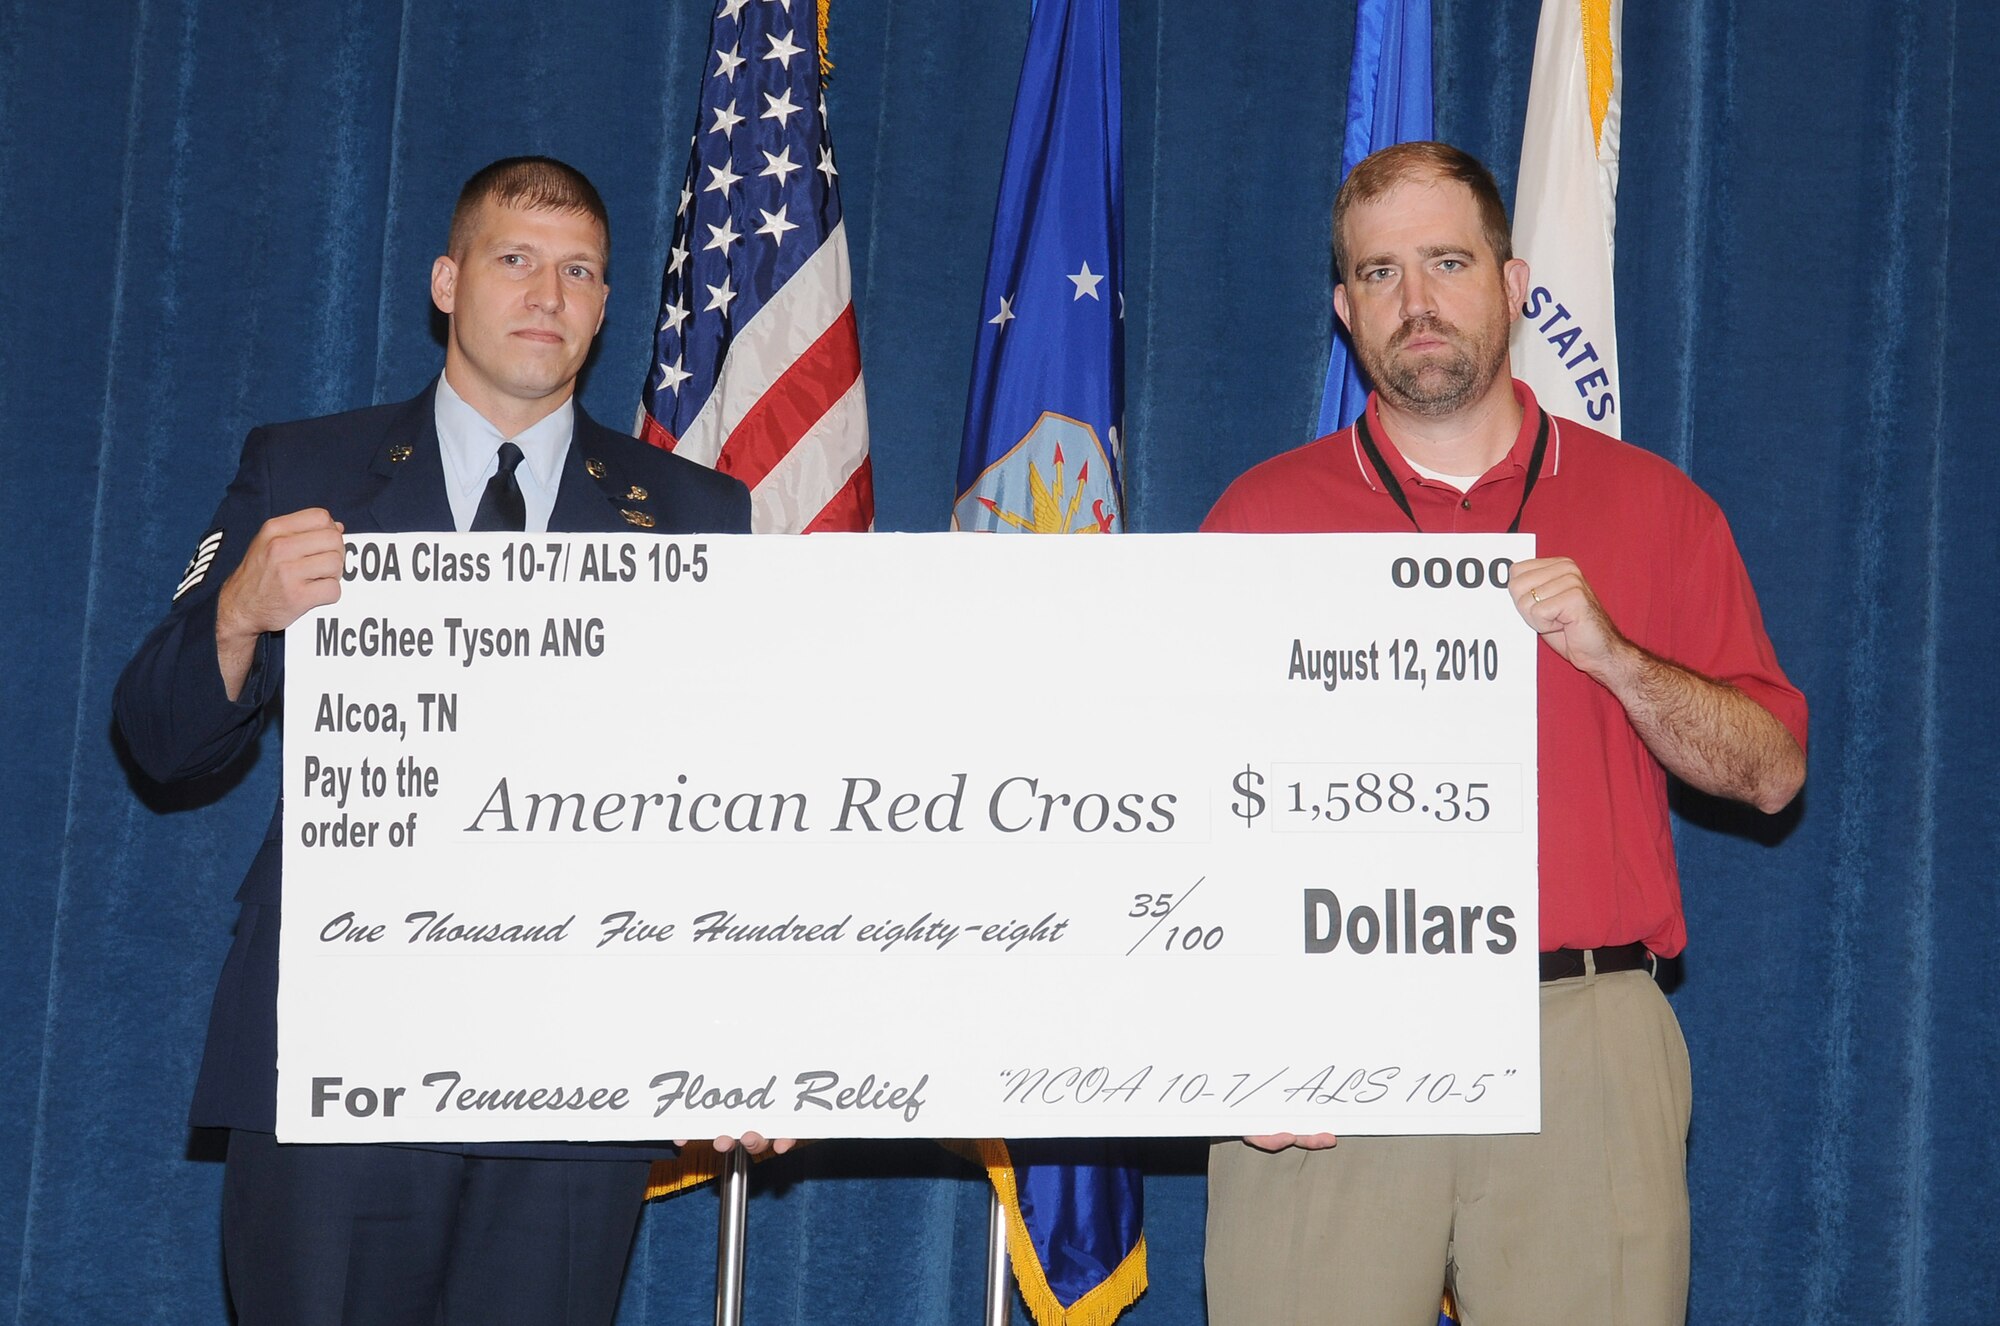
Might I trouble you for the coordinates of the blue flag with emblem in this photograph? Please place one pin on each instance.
(1388, 102)
(1041, 455)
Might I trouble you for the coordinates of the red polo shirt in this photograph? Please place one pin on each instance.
(1659, 556)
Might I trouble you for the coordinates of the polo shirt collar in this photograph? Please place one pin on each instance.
(1513, 465)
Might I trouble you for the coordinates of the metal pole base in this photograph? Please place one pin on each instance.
(732, 1223)
(999, 1272)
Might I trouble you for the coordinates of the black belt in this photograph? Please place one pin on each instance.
(1563, 963)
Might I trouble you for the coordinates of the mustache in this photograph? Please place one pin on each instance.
(1429, 323)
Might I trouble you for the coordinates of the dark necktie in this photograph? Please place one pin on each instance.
(503, 507)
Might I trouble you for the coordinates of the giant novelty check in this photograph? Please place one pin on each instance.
(910, 835)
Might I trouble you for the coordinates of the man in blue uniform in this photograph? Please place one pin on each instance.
(390, 1234)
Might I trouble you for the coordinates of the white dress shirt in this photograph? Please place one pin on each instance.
(470, 449)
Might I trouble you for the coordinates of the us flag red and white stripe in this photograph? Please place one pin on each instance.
(757, 363)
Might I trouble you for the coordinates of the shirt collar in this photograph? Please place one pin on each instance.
(1514, 463)
(470, 442)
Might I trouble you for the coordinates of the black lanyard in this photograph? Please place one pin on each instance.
(1395, 486)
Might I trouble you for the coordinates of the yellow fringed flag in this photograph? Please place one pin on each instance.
(697, 1163)
(1073, 1232)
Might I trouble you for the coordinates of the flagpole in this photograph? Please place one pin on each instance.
(1040, 455)
(999, 1273)
(731, 1225)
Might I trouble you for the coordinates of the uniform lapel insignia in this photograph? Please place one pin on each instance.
(635, 494)
(639, 518)
(594, 467)
(399, 453)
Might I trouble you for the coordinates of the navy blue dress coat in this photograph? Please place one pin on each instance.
(377, 471)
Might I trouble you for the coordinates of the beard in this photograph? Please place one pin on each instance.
(1444, 381)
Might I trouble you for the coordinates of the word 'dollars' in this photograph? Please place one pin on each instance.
(1019, 804)
(1400, 928)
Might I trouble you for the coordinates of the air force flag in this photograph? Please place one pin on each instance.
(1041, 449)
(1041, 456)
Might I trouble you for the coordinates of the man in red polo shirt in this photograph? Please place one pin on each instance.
(1656, 663)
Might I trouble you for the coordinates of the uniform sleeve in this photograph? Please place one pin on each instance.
(1719, 629)
(170, 703)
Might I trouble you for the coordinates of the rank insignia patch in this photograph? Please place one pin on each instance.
(204, 557)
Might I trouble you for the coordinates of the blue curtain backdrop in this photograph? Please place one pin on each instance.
(219, 212)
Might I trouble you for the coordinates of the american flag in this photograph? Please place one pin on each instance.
(757, 363)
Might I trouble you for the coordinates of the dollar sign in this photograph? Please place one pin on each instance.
(1252, 804)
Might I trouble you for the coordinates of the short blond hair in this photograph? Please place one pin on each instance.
(537, 183)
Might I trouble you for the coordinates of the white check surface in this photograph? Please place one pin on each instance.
(910, 835)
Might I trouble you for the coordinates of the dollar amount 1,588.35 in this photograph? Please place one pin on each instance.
(1328, 796)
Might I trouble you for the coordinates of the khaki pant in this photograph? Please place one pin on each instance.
(1586, 1221)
